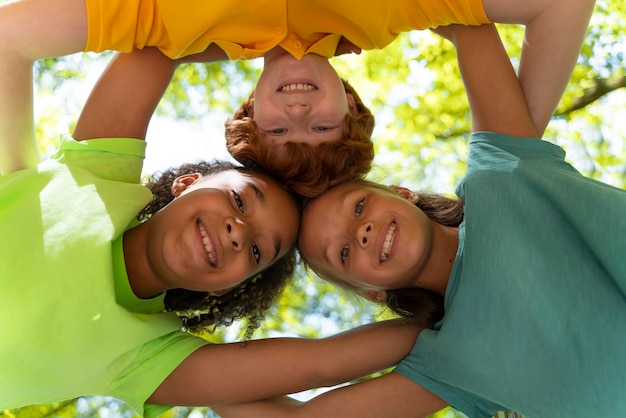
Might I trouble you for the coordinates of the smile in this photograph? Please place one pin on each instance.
(388, 244)
(208, 245)
(297, 87)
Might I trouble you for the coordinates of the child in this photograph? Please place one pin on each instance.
(85, 286)
(311, 148)
(529, 263)
(332, 152)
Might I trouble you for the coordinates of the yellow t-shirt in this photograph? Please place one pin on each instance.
(246, 30)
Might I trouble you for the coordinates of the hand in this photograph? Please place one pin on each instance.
(346, 47)
(447, 32)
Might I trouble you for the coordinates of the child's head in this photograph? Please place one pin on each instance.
(223, 239)
(376, 240)
(303, 125)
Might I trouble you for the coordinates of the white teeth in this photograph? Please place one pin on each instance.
(388, 242)
(207, 245)
(297, 86)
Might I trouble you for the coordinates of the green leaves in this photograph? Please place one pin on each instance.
(414, 89)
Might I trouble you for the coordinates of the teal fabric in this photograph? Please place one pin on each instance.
(63, 334)
(536, 304)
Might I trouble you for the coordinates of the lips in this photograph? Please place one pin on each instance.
(297, 87)
(388, 243)
(208, 245)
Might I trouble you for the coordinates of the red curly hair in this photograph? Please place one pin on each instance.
(303, 169)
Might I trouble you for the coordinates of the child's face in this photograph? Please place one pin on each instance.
(370, 238)
(220, 230)
(300, 101)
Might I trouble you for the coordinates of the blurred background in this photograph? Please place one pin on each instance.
(414, 89)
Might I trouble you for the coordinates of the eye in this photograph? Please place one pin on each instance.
(278, 131)
(256, 253)
(359, 207)
(344, 253)
(321, 129)
(238, 200)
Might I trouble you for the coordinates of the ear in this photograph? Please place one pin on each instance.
(182, 183)
(222, 291)
(354, 109)
(409, 195)
(378, 296)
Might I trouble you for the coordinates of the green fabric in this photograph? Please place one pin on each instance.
(536, 303)
(63, 334)
(123, 292)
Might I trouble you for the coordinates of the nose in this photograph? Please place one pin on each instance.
(297, 110)
(236, 233)
(364, 234)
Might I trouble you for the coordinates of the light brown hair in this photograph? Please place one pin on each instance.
(425, 306)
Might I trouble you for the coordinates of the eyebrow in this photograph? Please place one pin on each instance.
(341, 202)
(343, 197)
(326, 254)
(261, 196)
(276, 248)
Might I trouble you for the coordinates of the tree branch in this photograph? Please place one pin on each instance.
(601, 87)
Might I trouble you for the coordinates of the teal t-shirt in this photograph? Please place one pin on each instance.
(535, 316)
(68, 328)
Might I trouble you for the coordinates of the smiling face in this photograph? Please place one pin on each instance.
(300, 100)
(220, 230)
(369, 237)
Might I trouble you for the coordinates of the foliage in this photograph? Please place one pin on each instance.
(414, 88)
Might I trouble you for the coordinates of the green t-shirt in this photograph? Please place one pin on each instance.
(63, 332)
(535, 316)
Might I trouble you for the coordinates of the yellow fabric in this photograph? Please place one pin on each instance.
(248, 29)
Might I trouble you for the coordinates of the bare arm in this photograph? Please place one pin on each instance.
(30, 30)
(495, 96)
(555, 30)
(125, 96)
(123, 100)
(389, 396)
(242, 372)
(120, 105)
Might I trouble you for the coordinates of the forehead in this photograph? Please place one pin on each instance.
(335, 197)
(238, 180)
(228, 178)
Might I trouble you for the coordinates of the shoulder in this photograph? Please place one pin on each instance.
(118, 159)
(489, 148)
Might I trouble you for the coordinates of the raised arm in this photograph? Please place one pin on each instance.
(123, 100)
(495, 96)
(125, 96)
(555, 30)
(242, 372)
(31, 30)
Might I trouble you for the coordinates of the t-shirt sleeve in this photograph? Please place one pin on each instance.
(119, 159)
(150, 365)
(459, 399)
(494, 152)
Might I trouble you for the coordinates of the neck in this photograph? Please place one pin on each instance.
(140, 276)
(436, 273)
(272, 54)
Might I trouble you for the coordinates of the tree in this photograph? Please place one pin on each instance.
(414, 88)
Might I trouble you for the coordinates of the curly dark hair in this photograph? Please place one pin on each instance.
(422, 305)
(306, 170)
(250, 300)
